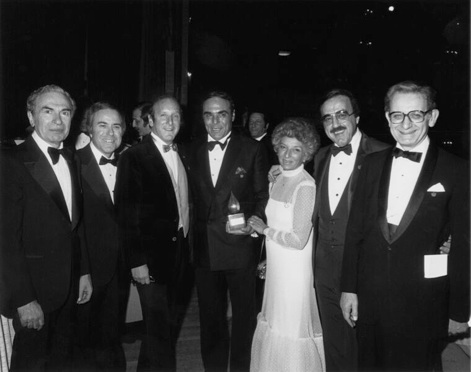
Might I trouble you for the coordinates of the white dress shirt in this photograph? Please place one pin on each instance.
(216, 157)
(340, 169)
(61, 170)
(403, 178)
(108, 171)
(170, 157)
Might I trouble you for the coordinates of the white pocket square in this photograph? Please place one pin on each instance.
(437, 188)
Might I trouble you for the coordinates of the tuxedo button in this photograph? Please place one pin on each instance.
(174, 239)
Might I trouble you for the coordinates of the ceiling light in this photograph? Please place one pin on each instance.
(284, 53)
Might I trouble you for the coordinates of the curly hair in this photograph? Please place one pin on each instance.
(302, 130)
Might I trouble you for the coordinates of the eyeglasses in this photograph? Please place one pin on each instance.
(340, 115)
(415, 116)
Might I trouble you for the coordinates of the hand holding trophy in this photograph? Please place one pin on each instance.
(236, 223)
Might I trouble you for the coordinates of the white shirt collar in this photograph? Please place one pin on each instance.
(223, 140)
(98, 154)
(421, 147)
(261, 137)
(43, 145)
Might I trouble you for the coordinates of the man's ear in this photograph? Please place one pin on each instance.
(150, 121)
(233, 116)
(434, 118)
(30, 118)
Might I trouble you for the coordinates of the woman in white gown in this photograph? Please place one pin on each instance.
(288, 336)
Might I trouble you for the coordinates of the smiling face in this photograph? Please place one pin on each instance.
(107, 131)
(407, 133)
(51, 117)
(217, 117)
(340, 132)
(257, 125)
(166, 119)
(291, 153)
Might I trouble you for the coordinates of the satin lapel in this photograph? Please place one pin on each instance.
(94, 178)
(383, 197)
(204, 165)
(323, 172)
(361, 153)
(41, 170)
(229, 159)
(76, 191)
(419, 191)
(157, 161)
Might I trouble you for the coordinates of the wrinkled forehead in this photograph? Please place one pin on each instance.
(55, 100)
(408, 101)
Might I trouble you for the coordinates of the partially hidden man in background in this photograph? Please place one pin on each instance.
(225, 163)
(44, 262)
(398, 289)
(152, 199)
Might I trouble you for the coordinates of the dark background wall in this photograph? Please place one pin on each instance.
(129, 50)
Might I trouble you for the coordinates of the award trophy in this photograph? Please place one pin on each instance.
(236, 220)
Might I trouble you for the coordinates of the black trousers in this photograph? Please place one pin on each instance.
(99, 329)
(217, 346)
(339, 339)
(162, 314)
(49, 349)
(384, 349)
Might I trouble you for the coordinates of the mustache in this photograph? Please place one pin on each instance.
(337, 128)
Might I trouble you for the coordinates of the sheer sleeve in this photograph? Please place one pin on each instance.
(296, 236)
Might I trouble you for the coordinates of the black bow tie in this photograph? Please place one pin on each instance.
(212, 144)
(172, 146)
(335, 150)
(104, 160)
(54, 154)
(410, 155)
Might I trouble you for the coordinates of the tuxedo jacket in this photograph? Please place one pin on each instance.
(147, 210)
(42, 249)
(272, 156)
(244, 173)
(100, 220)
(387, 272)
(321, 173)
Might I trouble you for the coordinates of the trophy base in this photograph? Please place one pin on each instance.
(236, 221)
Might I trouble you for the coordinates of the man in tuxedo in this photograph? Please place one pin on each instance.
(258, 125)
(99, 319)
(139, 123)
(336, 171)
(399, 291)
(152, 200)
(224, 164)
(44, 262)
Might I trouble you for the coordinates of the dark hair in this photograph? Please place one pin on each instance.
(87, 120)
(411, 87)
(302, 130)
(341, 92)
(31, 101)
(222, 95)
(141, 104)
(146, 111)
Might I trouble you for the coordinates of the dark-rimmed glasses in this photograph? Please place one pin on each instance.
(340, 116)
(415, 116)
